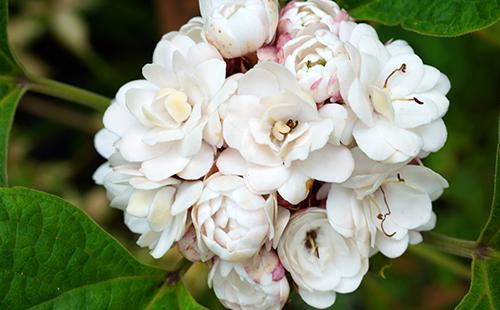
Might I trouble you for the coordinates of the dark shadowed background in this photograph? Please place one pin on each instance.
(101, 44)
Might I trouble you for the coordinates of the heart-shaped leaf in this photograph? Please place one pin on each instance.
(54, 257)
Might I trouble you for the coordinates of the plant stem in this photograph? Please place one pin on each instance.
(459, 247)
(175, 276)
(68, 92)
(426, 252)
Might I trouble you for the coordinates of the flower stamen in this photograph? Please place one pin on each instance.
(402, 69)
(410, 99)
(383, 217)
(310, 242)
(281, 129)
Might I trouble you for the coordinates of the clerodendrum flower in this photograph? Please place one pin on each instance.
(385, 205)
(231, 221)
(306, 17)
(313, 59)
(169, 122)
(278, 139)
(398, 100)
(156, 210)
(257, 283)
(321, 261)
(239, 27)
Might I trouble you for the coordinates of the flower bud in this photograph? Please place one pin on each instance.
(305, 17)
(231, 221)
(239, 27)
(257, 283)
(188, 246)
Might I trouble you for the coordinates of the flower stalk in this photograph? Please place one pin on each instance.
(68, 92)
(450, 245)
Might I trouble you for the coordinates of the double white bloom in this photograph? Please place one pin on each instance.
(257, 283)
(231, 221)
(239, 27)
(398, 100)
(169, 122)
(278, 139)
(321, 261)
(384, 205)
(156, 210)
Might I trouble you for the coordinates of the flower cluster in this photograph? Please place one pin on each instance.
(265, 141)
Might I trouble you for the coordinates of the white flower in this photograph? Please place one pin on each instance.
(385, 205)
(169, 122)
(230, 221)
(321, 261)
(239, 27)
(258, 283)
(313, 59)
(278, 139)
(155, 210)
(399, 101)
(305, 17)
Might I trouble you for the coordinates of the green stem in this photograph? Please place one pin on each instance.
(426, 252)
(68, 92)
(459, 247)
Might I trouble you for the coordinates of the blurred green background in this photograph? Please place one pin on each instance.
(101, 44)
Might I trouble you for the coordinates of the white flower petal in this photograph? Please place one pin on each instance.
(164, 166)
(230, 162)
(409, 207)
(390, 247)
(318, 299)
(212, 72)
(359, 103)
(104, 142)
(296, 188)
(433, 135)
(264, 179)
(133, 149)
(424, 179)
(139, 203)
(199, 164)
(160, 213)
(329, 164)
(187, 194)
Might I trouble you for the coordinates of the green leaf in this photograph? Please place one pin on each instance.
(484, 292)
(431, 17)
(10, 91)
(54, 256)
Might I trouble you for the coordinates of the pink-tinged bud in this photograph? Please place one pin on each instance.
(188, 246)
(305, 17)
(257, 283)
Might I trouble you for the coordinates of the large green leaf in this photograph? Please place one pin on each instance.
(54, 256)
(432, 17)
(484, 292)
(11, 90)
